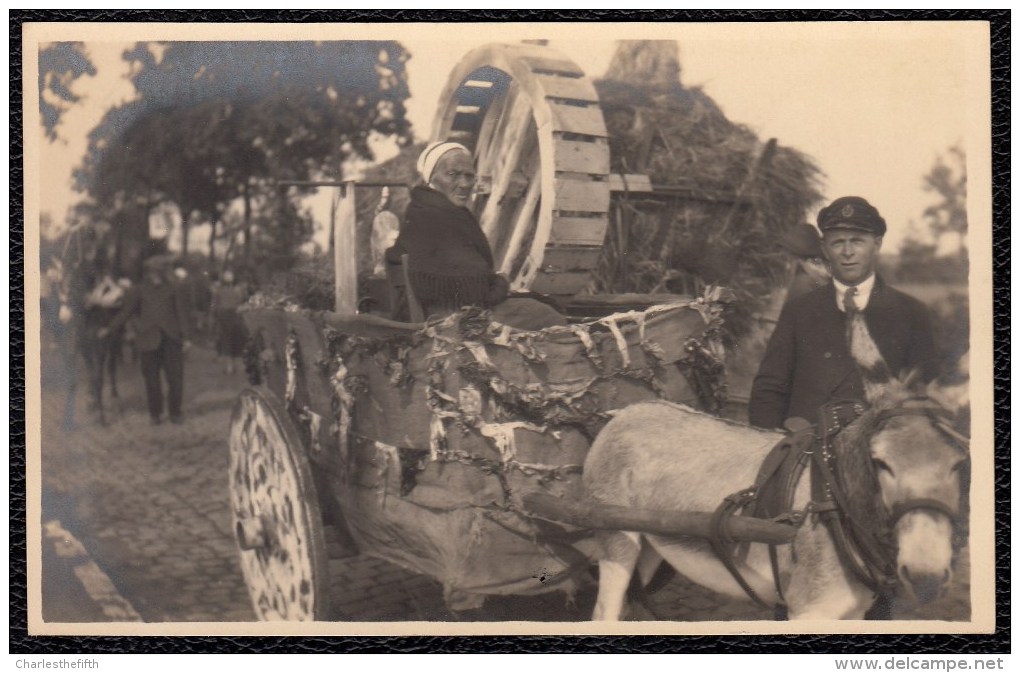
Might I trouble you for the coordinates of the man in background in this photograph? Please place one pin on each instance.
(804, 246)
(162, 335)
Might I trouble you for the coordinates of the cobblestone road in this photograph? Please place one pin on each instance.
(150, 504)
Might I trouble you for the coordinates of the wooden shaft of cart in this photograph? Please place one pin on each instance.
(656, 522)
(345, 239)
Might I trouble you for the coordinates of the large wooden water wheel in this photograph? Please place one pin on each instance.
(532, 119)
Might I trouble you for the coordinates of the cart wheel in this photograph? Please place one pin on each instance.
(276, 512)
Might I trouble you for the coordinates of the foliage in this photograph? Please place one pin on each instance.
(920, 260)
(220, 122)
(60, 64)
(947, 179)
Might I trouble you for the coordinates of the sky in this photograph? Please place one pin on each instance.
(874, 107)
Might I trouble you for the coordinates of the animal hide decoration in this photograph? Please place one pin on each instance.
(863, 349)
(866, 513)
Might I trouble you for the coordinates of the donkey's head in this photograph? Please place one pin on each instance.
(917, 460)
(904, 445)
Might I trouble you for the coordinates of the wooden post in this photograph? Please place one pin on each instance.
(345, 253)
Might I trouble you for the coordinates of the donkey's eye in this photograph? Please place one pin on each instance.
(881, 465)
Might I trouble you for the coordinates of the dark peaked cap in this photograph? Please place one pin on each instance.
(851, 212)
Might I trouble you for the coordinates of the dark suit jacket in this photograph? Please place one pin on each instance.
(162, 314)
(807, 362)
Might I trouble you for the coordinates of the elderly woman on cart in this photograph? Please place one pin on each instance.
(450, 263)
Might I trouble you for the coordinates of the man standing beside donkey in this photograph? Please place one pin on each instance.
(163, 333)
(807, 362)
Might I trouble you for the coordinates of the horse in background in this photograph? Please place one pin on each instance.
(85, 298)
(103, 300)
(899, 467)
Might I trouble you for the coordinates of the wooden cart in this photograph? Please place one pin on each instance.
(454, 448)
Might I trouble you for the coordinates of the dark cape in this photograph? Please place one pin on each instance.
(450, 263)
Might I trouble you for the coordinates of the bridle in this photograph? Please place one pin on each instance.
(869, 557)
(867, 551)
(940, 420)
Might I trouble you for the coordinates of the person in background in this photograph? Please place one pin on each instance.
(804, 245)
(227, 296)
(450, 263)
(162, 336)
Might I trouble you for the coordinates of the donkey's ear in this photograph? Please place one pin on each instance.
(954, 398)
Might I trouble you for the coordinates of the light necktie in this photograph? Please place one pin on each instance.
(850, 307)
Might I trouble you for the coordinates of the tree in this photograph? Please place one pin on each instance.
(920, 259)
(948, 181)
(216, 123)
(60, 64)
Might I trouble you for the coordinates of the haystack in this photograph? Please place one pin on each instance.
(723, 195)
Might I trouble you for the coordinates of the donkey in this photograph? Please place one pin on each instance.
(899, 470)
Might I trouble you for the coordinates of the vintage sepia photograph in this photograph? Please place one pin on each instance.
(509, 328)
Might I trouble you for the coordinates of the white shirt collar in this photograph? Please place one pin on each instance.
(863, 293)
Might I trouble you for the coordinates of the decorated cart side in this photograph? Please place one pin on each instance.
(454, 448)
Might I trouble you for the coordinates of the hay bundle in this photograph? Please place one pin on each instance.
(723, 196)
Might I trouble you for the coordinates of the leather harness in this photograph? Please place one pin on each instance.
(864, 548)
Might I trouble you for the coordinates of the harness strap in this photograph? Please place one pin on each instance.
(771, 498)
(722, 543)
(902, 508)
(830, 512)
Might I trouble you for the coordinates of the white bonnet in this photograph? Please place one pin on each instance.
(431, 155)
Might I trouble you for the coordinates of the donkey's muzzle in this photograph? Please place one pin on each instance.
(926, 587)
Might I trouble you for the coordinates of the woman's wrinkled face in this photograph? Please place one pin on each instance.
(454, 176)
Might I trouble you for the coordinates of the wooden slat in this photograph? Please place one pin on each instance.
(581, 157)
(579, 230)
(573, 119)
(493, 123)
(524, 223)
(575, 88)
(631, 182)
(506, 149)
(552, 65)
(569, 283)
(560, 259)
(581, 196)
(345, 263)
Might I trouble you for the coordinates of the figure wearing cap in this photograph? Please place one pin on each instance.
(804, 245)
(450, 263)
(807, 362)
(162, 334)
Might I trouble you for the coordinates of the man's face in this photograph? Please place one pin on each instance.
(852, 254)
(454, 176)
